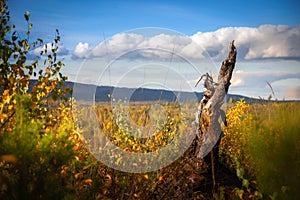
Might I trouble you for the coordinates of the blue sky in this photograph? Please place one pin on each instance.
(89, 19)
(267, 35)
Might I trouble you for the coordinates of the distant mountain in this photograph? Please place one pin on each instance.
(89, 92)
(105, 93)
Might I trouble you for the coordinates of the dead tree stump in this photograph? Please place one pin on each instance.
(209, 111)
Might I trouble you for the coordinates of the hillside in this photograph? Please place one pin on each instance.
(88, 92)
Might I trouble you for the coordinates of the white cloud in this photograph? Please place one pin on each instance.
(238, 78)
(60, 51)
(266, 41)
(118, 44)
(82, 50)
(237, 82)
(158, 46)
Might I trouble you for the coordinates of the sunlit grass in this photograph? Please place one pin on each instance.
(264, 140)
(139, 127)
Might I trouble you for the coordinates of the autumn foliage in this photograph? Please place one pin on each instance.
(37, 132)
(43, 156)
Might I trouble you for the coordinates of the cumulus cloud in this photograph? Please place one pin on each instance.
(117, 44)
(61, 51)
(266, 41)
(82, 50)
(158, 46)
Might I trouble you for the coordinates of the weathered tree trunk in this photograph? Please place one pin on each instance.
(209, 110)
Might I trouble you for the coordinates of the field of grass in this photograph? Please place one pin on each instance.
(260, 147)
(47, 140)
(139, 127)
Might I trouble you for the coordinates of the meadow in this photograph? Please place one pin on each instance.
(46, 139)
(258, 156)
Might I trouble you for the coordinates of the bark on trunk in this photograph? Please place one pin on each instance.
(209, 110)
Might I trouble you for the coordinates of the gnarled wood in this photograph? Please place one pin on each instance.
(209, 110)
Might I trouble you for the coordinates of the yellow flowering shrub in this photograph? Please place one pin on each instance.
(234, 138)
(261, 143)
